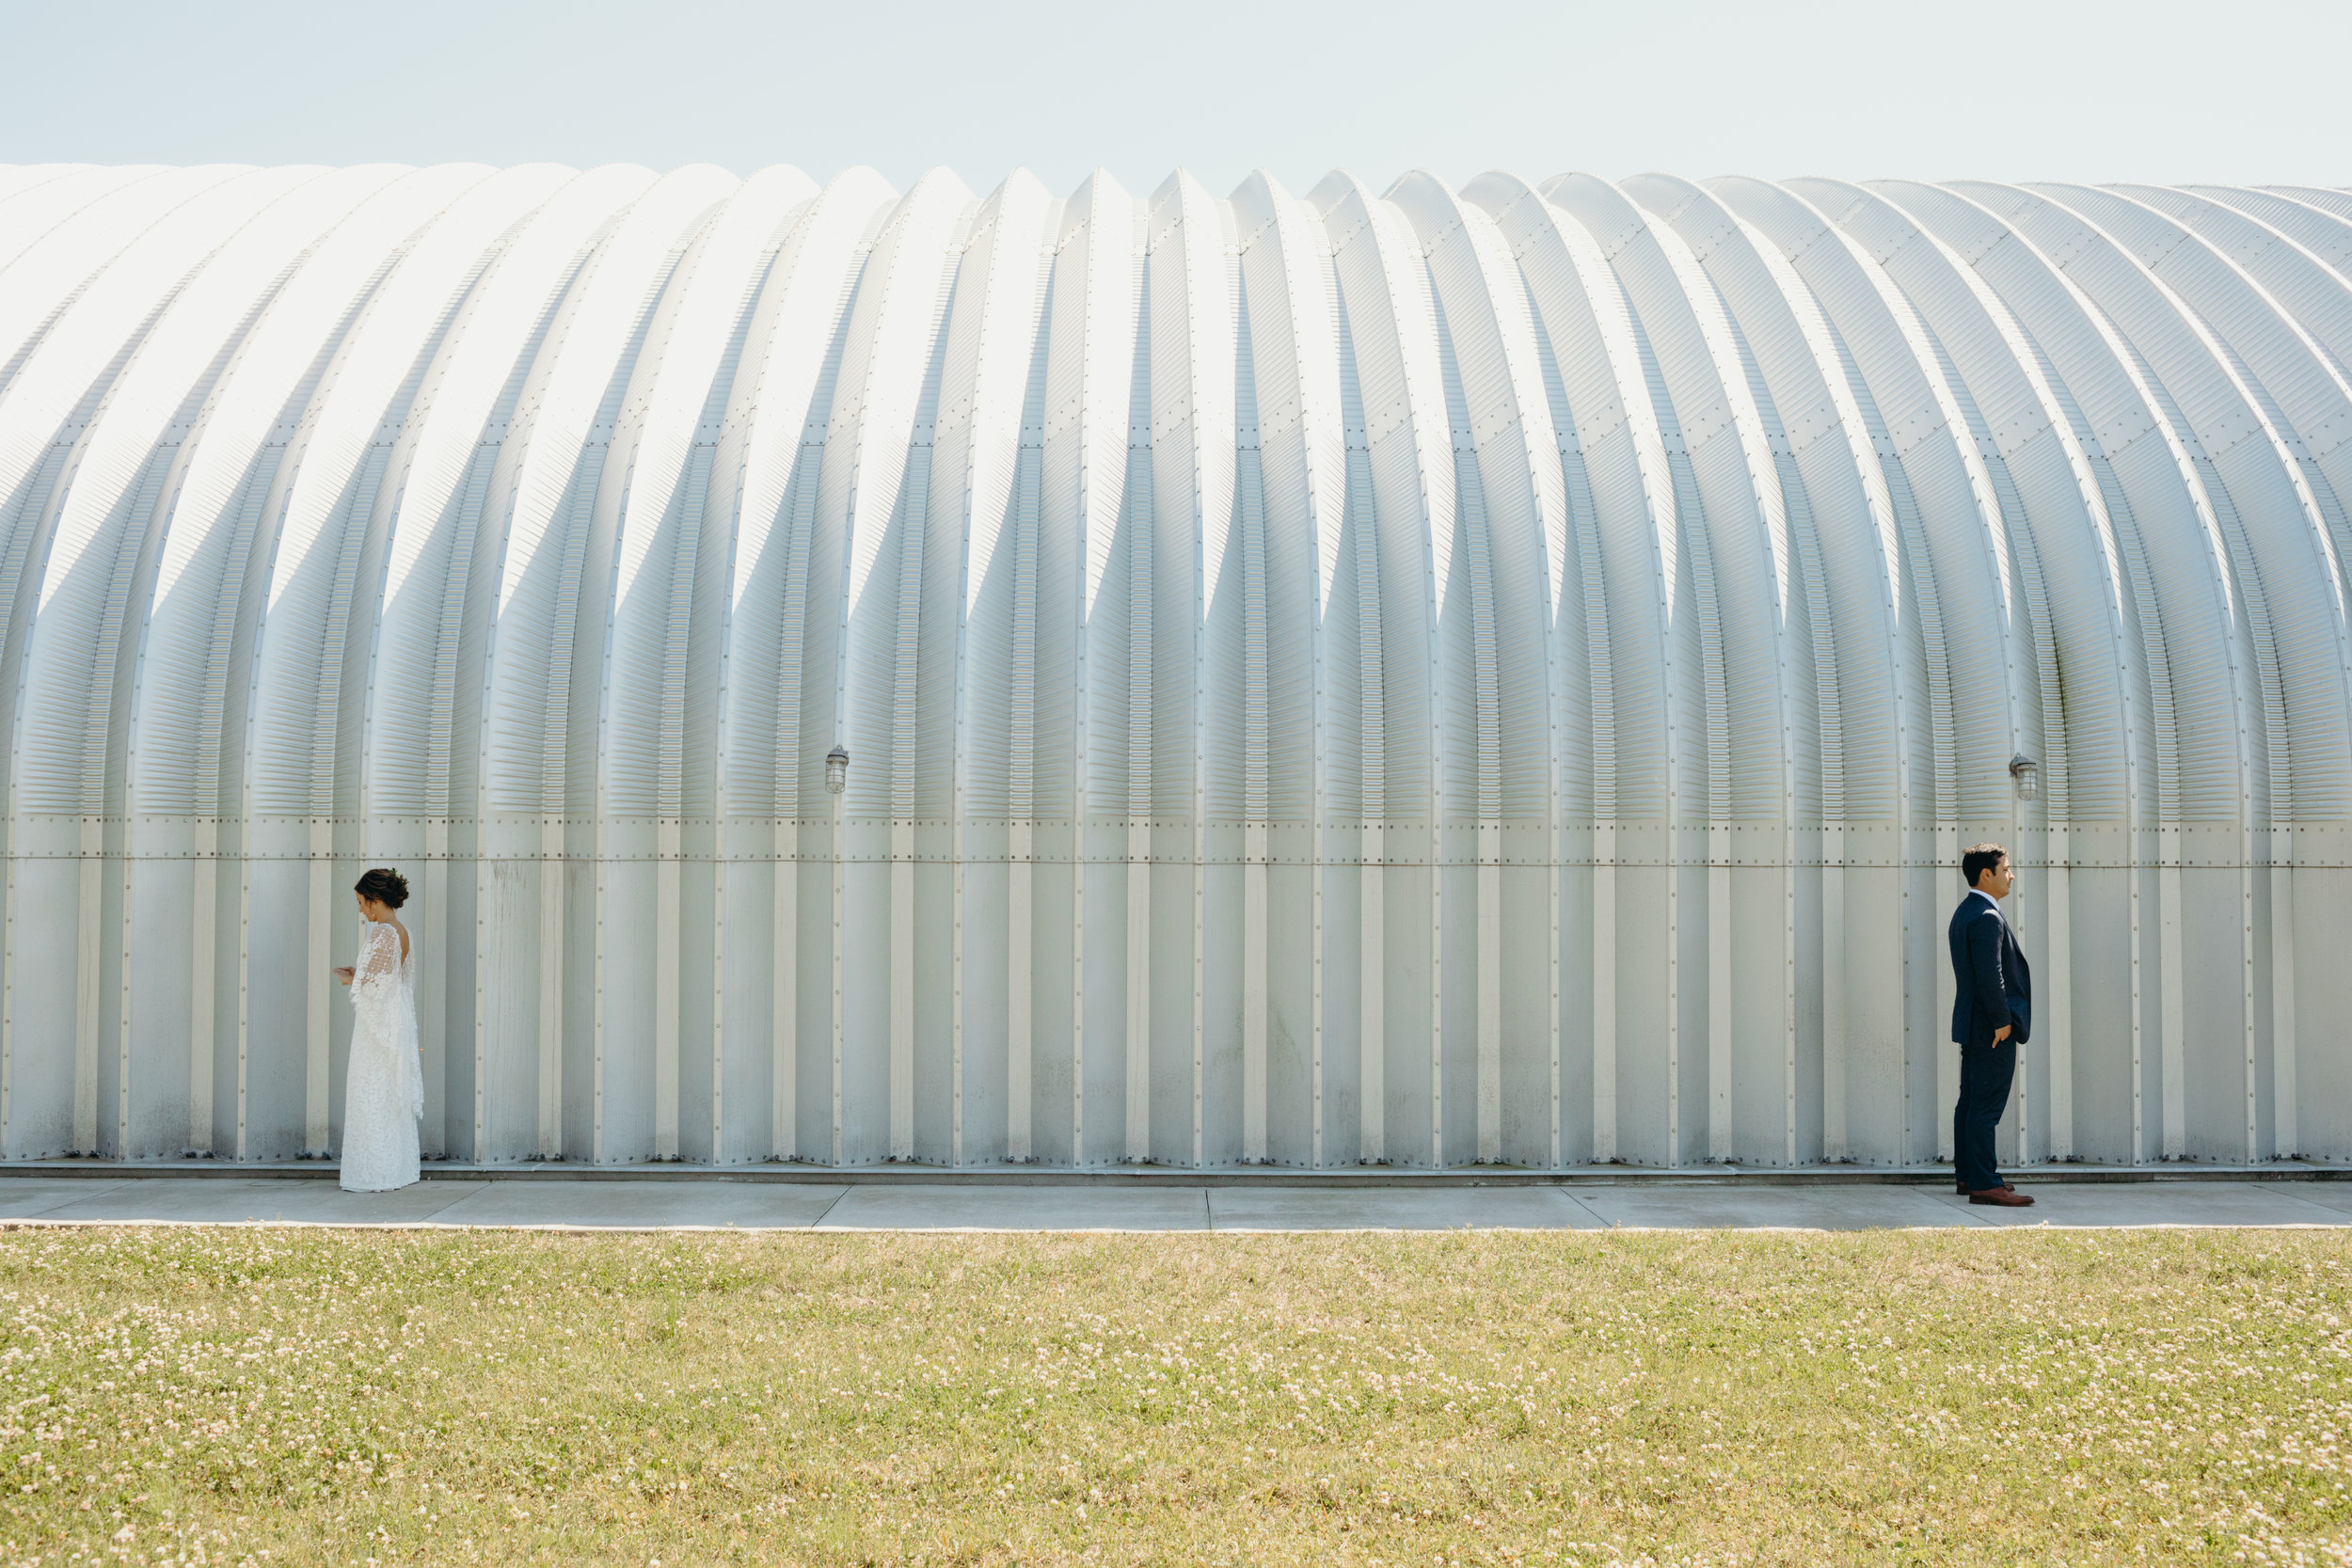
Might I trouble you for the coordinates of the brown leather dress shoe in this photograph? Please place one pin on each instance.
(2006, 1197)
(1959, 1189)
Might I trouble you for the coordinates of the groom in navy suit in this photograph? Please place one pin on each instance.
(1991, 1017)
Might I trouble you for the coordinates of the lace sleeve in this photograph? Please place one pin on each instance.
(378, 970)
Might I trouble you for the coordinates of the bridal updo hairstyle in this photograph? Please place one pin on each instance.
(383, 886)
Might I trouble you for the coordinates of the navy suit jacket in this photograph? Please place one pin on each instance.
(1996, 987)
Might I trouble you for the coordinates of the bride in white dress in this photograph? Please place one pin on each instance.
(384, 1083)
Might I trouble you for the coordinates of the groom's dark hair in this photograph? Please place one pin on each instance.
(1975, 862)
(383, 886)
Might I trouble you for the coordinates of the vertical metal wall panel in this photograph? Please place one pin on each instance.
(1628, 548)
(1404, 677)
(979, 466)
(506, 377)
(766, 464)
(1314, 1110)
(1513, 492)
(1196, 913)
(647, 972)
(99, 546)
(884, 422)
(1783, 343)
(50, 425)
(1392, 331)
(1850, 478)
(2015, 416)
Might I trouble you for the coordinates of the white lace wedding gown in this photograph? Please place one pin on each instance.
(384, 1084)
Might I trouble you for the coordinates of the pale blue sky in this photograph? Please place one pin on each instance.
(2250, 90)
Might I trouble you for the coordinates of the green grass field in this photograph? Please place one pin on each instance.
(306, 1395)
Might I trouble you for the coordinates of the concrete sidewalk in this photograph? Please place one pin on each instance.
(1700, 1204)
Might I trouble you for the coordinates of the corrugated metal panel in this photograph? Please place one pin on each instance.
(1246, 620)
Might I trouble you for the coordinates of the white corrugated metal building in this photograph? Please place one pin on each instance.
(1426, 677)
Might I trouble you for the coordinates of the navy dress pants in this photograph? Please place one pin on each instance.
(1985, 1071)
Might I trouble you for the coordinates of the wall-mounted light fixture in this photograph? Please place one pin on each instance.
(836, 771)
(2026, 773)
